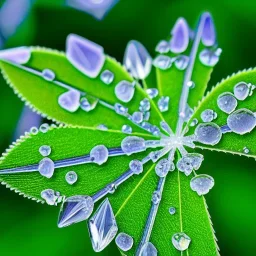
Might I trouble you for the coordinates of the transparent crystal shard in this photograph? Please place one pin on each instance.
(241, 91)
(75, 209)
(46, 167)
(152, 92)
(136, 166)
(163, 47)
(124, 91)
(180, 36)
(227, 102)
(208, 34)
(181, 62)
(172, 210)
(163, 167)
(102, 226)
(181, 241)
(107, 77)
(137, 117)
(50, 196)
(45, 150)
(70, 100)
(120, 109)
(163, 103)
(148, 249)
(85, 55)
(126, 129)
(133, 144)
(210, 57)
(137, 60)
(208, 133)
(208, 115)
(71, 177)
(242, 121)
(124, 242)
(19, 55)
(144, 105)
(202, 184)
(99, 154)
(163, 62)
(48, 74)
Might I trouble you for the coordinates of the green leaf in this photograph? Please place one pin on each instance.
(231, 142)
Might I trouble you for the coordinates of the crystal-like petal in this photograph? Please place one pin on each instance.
(208, 35)
(20, 55)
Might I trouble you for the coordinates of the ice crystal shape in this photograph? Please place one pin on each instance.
(126, 129)
(210, 57)
(102, 226)
(85, 55)
(156, 197)
(144, 105)
(46, 167)
(246, 150)
(208, 115)
(202, 184)
(148, 249)
(45, 150)
(124, 91)
(180, 36)
(163, 62)
(241, 121)
(163, 167)
(133, 144)
(137, 60)
(241, 91)
(75, 209)
(181, 62)
(99, 154)
(44, 128)
(137, 117)
(124, 242)
(50, 196)
(19, 55)
(152, 92)
(181, 241)
(120, 109)
(71, 177)
(227, 102)
(136, 166)
(163, 47)
(107, 77)
(208, 34)
(163, 103)
(70, 100)
(172, 210)
(208, 133)
(48, 74)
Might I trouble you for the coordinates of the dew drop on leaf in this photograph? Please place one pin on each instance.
(70, 100)
(120, 109)
(152, 92)
(133, 144)
(162, 62)
(107, 77)
(191, 84)
(246, 150)
(163, 47)
(227, 102)
(45, 150)
(124, 91)
(156, 197)
(48, 74)
(202, 184)
(99, 154)
(208, 115)
(102, 127)
(210, 57)
(163, 103)
(148, 249)
(163, 167)
(137, 117)
(44, 128)
(181, 241)
(136, 166)
(181, 62)
(241, 91)
(194, 122)
(124, 242)
(126, 129)
(144, 105)
(71, 177)
(46, 167)
(172, 210)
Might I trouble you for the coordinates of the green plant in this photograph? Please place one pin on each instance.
(93, 99)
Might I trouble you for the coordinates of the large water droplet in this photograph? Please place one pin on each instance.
(227, 102)
(202, 184)
(163, 62)
(70, 100)
(107, 77)
(126, 129)
(124, 242)
(241, 91)
(208, 133)
(133, 144)
(163, 167)
(48, 74)
(181, 241)
(46, 167)
(210, 57)
(124, 91)
(45, 150)
(163, 47)
(137, 60)
(208, 115)
(99, 154)
(242, 121)
(71, 177)
(208, 34)
(163, 103)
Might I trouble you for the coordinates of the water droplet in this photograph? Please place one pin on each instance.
(152, 92)
(46, 167)
(99, 154)
(120, 109)
(202, 184)
(163, 62)
(227, 102)
(194, 122)
(208, 34)
(137, 117)
(241, 91)
(163, 103)
(136, 166)
(34, 130)
(48, 74)
(107, 77)
(44, 128)
(124, 242)
(112, 188)
(181, 62)
(102, 127)
(86, 105)
(156, 197)
(210, 57)
(246, 150)
(163, 47)
(148, 249)
(126, 129)
(241, 121)
(144, 105)
(208, 133)
(172, 210)
(133, 144)
(137, 60)
(191, 84)
(181, 241)
(180, 36)
(45, 150)
(50, 196)
(71, 177)
(70, 100)
(146, 116)
(163, 167)
(124, 91)
(208, 115)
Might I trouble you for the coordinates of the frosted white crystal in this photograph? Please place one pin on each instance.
(181, 241)
(124, 242)
(70, 100)
(241, 91)
(99, 154)
(144, 105)
(71, 177)
(163, 167)
(163, 103)
(162, 62)
(46, 167)
(124, 91)
(34, 130)
(107, 77)
(227, 102)
(50, 196)
(136, 166)
(126, 129)
(133, 144)
(45, 150)
(202, 184)
(208, 133)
